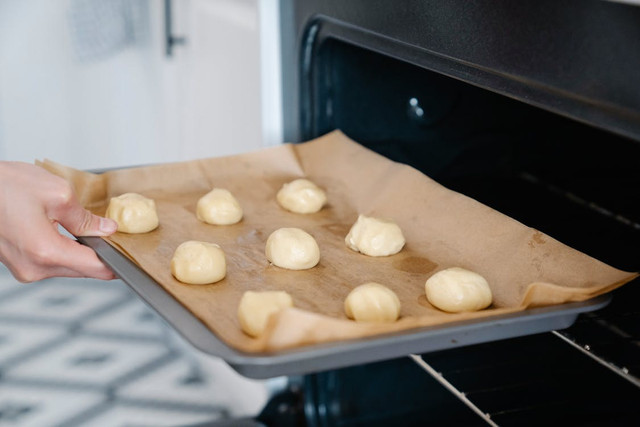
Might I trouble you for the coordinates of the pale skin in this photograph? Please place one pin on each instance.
(32, 204)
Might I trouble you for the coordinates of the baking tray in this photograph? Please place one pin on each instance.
(322, 357)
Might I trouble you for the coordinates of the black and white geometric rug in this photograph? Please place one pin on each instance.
(80, 352)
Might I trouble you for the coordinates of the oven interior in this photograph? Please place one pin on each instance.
(571, 180)
(574, 182)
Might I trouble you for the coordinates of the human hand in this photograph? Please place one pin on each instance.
(32, 204)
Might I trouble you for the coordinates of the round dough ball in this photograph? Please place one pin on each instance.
(375, 237)
(255, 308)
(301, 196)
(219, 207)
(293, 249)
(198, 263)
(372, 302)
(456, 290)
(133, 212)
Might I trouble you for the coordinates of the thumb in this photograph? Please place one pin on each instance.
(80, 222)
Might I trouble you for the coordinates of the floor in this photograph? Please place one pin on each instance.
(80, 352)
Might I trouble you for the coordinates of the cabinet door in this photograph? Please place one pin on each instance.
(220, 77)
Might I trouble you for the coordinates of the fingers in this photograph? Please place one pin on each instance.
(55, 256)
(78, 260)
(79, 221)
(81, 260)
(32, 201)
(36, 273)
(33, 249)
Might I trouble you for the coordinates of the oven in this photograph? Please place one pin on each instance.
(530, 107)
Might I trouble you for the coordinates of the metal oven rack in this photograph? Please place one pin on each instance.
(589, 372)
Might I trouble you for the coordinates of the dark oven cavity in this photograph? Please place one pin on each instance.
(557, 155)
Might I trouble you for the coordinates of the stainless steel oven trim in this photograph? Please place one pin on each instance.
(339, 354)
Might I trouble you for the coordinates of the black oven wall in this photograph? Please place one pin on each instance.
(577, 58)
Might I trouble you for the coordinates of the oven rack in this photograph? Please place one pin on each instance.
(588, 373)
(531, 380)
(606, 335)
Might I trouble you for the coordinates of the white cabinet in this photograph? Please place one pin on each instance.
(87, 83)
(220, 77)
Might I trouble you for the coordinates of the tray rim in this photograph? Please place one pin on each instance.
(342, 353)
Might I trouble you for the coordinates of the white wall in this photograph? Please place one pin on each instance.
(133, 106)
(86, 114)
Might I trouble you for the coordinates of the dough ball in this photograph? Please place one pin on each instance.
(301, 196)
(256, 307)
(372, 302)
(198, 263)
(133, 212)
(375, 237)
(456, 290)
(292, 248)
(219, 207)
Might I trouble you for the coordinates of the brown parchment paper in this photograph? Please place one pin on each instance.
(525, 268)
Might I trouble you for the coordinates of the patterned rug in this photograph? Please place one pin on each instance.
(79, 352)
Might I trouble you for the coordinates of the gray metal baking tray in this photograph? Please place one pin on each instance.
(343, 353)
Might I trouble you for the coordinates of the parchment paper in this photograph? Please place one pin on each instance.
(524, 267)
